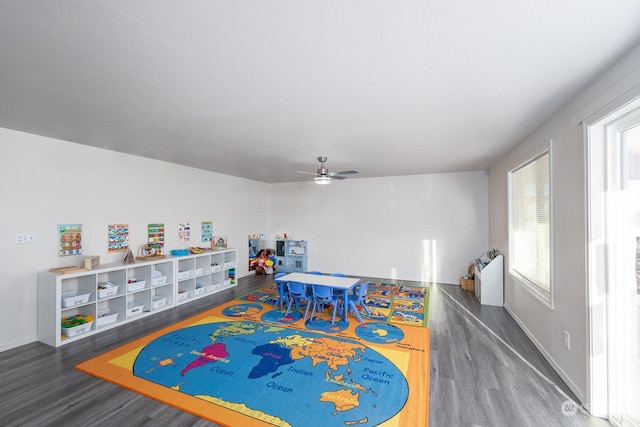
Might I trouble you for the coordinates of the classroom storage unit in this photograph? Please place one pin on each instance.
(203, 274)
(114, 294)
(489, 283)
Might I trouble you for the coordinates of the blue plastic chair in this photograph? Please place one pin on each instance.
(352, 300)
(322, 296)
(337, 292)
(283, 293)
(314, 272)
(297, 294)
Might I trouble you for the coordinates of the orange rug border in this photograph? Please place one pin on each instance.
(101, 367)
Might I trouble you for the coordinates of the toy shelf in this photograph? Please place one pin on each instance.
(489, 282)
(114, 294)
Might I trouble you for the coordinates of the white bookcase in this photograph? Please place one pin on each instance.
(115, 294)
(204, 274)
(489, 283)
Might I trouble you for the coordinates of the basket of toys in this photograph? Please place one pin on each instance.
(468, 282)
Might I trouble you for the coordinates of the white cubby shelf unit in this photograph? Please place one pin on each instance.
(204, 274)
(114, 294)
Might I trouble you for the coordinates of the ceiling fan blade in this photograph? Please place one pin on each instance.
(349, 172)
(323, 176)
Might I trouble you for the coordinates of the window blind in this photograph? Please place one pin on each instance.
(531, 222)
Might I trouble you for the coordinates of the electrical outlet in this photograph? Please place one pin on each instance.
(567, 340)
(25, 238)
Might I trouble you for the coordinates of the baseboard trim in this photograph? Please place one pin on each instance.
(16, 344)
(516, 353)
(547, 356)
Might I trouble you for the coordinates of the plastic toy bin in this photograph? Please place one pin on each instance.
(77, 330)
(73, 298)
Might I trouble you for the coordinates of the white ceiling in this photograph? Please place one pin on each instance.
(258, 89)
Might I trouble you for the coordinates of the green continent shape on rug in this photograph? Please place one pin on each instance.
(261, 370)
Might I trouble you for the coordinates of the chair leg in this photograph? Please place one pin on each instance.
(313, 311)
(307, 310)
(366, 309)
(335, 308)
(288, 307)
(355, 311)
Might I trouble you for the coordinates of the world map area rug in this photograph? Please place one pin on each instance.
(231, 367)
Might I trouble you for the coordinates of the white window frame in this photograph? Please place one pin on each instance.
(528, 283)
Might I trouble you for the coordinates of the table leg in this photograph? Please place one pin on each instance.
(345, 297)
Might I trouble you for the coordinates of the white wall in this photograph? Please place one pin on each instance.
(419, 227)
(546, 326)
(45, 182)
(373, 227)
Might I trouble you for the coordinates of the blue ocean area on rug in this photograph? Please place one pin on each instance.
(289, 377)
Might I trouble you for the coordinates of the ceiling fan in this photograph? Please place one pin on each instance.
(323, 176)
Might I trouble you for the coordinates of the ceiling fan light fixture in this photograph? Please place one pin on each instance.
(322, 180)
(322, 176)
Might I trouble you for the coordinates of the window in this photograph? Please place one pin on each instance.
(613, 168)
(530, 227)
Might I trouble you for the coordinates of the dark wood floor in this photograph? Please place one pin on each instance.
(484, 372)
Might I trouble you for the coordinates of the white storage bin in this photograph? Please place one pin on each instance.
(184, 274)
(77, 330)
(159, 302)
(157, 281)
(136, 286)
(199, 271)
(216, 287)
(183, 295)
(199, 290)
(134, 309)
(73, 298)
(107, 289)
(105, 317)
(228, 264)
(215, 268)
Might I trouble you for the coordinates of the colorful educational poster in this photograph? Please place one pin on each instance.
(69, 239)
(118, 237)
(207, 231)
(184, 232)
(155, 240)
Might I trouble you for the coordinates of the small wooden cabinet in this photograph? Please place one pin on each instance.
(115, 294)
(489, 283)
